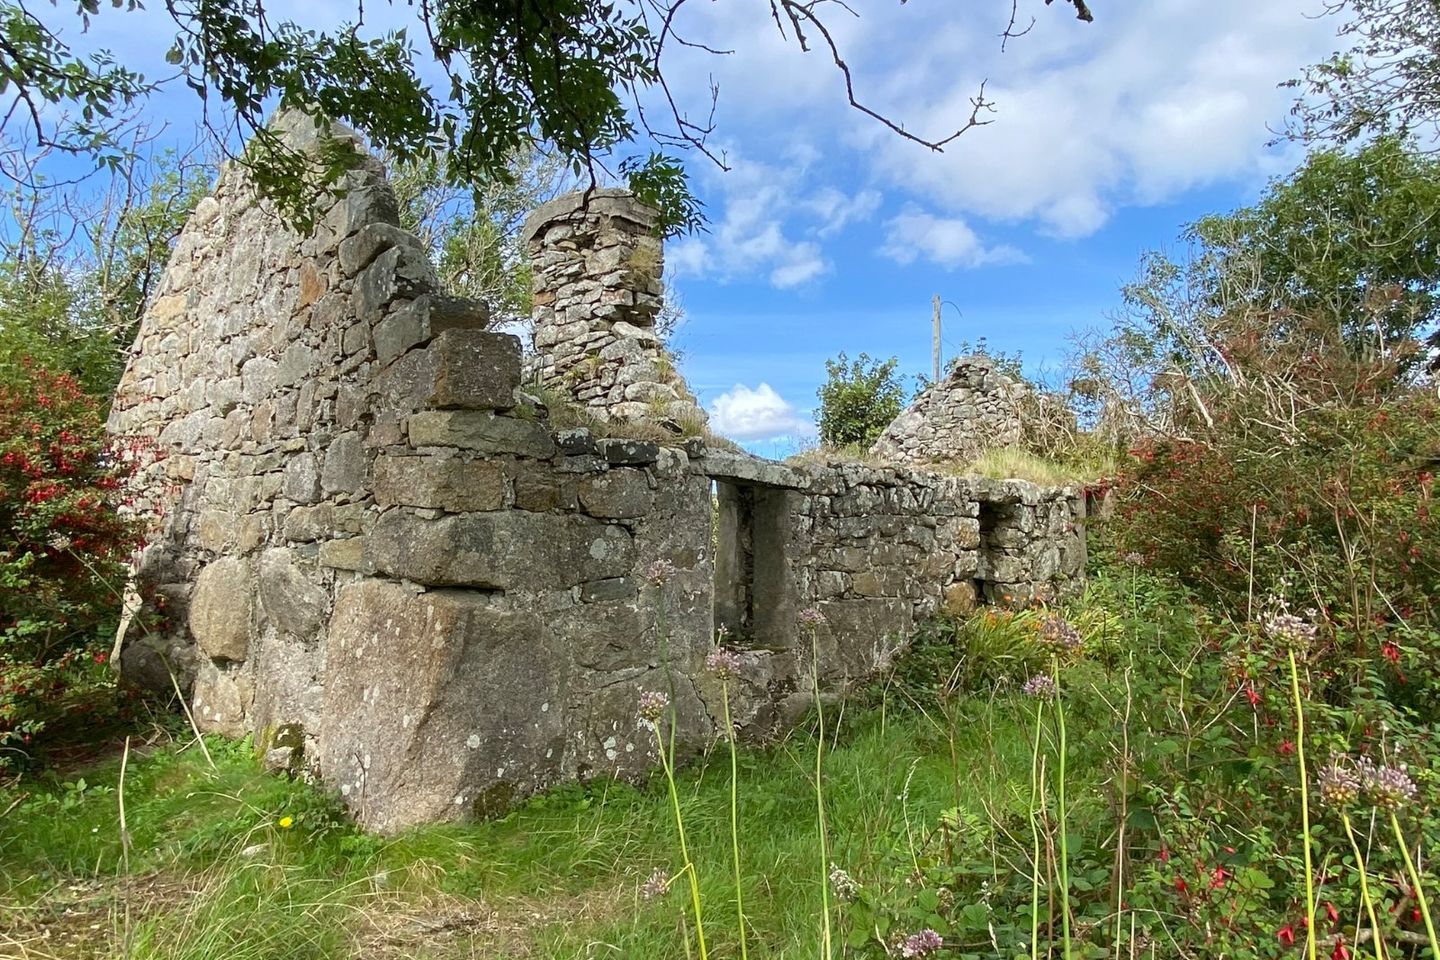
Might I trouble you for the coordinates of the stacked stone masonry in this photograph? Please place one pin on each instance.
(973, 409)
(375, 555)
(597, 292)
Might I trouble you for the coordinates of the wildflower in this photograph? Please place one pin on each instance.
(725, 664)
(1390, 650)
(652, 706)
(846, 887)
(1341, 952)
(1134, 559)
(1061, 634)
(285, 823)
(921, 944)
(1040, 686)
(811, 617)
(1386, 786)
(1289, 629)
(660, 572)
(1286, 935)
(656, 885)
(1339, 786)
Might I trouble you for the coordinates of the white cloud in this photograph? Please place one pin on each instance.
(1151, 100)
(759, 414)
(771, 222)
(947, 242)
(1157, 99)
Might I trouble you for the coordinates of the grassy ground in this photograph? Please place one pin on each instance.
(212, 869)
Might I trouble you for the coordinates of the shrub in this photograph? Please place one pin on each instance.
(859, 400)
(1341, 519)
(64, 546)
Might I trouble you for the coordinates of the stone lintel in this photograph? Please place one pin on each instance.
(603, 201)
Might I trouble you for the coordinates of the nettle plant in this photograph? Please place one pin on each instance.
(65, 542)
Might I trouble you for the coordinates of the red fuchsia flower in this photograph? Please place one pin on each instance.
(1341, 952)
(1287, 748)
(1218, 877)
(1164, 854)
(1390, 650)
(1286, 934)
(1331, 912)
(1252, 695)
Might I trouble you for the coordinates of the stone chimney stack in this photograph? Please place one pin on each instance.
(597, 292)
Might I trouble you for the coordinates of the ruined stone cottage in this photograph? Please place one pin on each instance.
(376, 555)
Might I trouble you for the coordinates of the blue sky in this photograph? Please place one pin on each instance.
(830, 233)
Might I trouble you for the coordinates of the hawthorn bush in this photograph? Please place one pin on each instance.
(64, 546)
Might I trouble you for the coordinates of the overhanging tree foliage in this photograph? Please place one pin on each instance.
(574, 74)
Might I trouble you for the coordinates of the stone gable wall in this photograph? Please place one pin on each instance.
(382, 561)
(973, 409)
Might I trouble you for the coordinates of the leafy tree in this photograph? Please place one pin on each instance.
(472, 233)
(858, 400)
(76, 273)
(1354, 237)
(1318, 293)
(575, 74)
(1388, 80)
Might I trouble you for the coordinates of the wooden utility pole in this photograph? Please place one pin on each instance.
(935, 349)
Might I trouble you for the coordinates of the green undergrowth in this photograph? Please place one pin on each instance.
(1167, 820)
(552, 879)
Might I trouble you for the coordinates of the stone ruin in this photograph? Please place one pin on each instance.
(374, 554)
(597, 266)
(974, 408)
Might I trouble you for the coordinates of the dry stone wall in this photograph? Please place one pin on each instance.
(378, 557)
(973, 409)
(597, 292)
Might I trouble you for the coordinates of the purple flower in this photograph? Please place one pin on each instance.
(846, 887)
(1289, 629)
(652, 706)
(1390, 787)
(1339, 785)
(811, 617)
(1059, 633)
(725, 664)
(1134, 559)
(657, 885)
(921, 944)
(1040, 686)
(660, 572)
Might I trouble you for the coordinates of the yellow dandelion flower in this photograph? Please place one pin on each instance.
(286, 823)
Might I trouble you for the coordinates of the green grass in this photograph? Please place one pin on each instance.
(212, 873)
